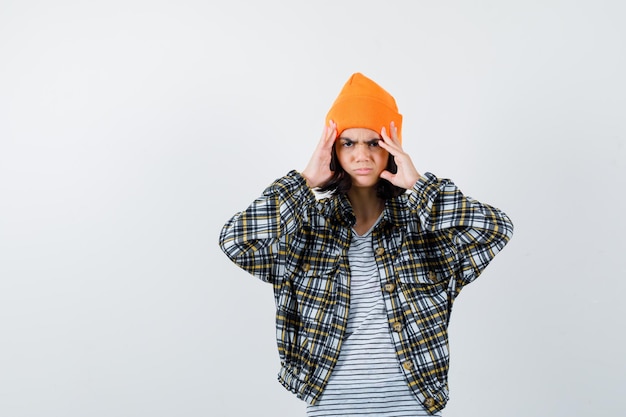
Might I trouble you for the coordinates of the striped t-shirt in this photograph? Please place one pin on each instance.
(367, 380)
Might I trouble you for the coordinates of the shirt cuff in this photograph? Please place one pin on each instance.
(424, 192)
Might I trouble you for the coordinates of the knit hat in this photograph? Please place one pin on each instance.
(363, 103)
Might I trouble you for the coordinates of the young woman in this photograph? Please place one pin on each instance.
(365, 277)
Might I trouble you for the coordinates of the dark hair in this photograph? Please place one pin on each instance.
(340, 182)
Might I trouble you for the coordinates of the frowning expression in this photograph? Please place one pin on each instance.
(360, 156)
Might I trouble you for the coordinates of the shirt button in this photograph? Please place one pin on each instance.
(306, 267)
(432, 276)
(408, 365)
(380, 251)
(429, 402)
(390, 287)
(397, 327)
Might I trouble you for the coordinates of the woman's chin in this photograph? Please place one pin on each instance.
(364, 182)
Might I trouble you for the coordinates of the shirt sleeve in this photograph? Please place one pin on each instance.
(251, 238)
(475, 231)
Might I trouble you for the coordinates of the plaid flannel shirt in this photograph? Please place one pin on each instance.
(430, 243)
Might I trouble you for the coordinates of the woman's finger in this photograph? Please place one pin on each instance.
(328, 136)
(394, 133)
(331, 132)
(388, 144)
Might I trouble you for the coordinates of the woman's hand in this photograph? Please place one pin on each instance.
(407, 175)
(317, 172)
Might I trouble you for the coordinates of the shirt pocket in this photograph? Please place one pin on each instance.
(314, 287)
(418, 267)
(313, 282)
(424, 288)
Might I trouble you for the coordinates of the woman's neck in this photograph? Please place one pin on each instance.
(366, 207)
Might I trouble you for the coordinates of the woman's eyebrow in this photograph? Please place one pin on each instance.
(369, 141)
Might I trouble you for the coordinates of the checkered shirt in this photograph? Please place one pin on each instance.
(430, 243)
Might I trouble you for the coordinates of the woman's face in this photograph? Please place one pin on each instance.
(360, 156)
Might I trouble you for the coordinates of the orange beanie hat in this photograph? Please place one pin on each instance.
(363, 103)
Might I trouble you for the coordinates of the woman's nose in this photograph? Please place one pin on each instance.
(361, 153)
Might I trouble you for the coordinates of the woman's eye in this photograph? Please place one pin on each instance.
(374, 143)
(347, 144)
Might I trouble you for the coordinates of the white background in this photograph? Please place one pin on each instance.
(130, 131)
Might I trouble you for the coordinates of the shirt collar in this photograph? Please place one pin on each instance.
(338, 209)
(396, 210)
